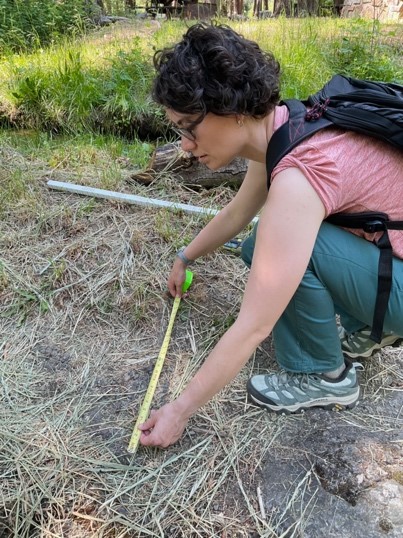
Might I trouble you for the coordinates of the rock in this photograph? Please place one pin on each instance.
(104, 20)
(328, 477)
(388, 497)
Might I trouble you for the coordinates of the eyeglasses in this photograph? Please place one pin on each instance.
(187, 132)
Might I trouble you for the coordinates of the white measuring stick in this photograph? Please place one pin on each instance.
(130, 198)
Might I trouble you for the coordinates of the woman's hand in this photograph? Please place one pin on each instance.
(164, 427)
(177, 278)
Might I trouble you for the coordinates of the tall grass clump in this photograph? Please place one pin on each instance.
(298, 45)
(25, 24)
(125, 104)
(57, 98)
(311, 50)
(69, 90)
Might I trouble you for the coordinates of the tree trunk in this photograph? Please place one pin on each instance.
(283, 7)
(187, 169)
(239, 7)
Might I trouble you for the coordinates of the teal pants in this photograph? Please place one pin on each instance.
(341, 278)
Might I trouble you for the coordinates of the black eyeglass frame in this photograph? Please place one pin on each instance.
(187, 132)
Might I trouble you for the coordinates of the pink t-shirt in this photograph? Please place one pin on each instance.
(351, 173)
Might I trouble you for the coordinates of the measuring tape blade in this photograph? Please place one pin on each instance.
(145, 408)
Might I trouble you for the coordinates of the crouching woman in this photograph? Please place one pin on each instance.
(220, 91)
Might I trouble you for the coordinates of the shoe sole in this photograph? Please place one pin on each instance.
(393, 342)
(349, 402)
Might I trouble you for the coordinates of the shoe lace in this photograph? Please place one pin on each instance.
(349, 337)
(285, 378)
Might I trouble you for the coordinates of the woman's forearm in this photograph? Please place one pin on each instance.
(218, 231)
(235, 216)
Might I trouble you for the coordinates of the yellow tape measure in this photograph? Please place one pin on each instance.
(145, 408)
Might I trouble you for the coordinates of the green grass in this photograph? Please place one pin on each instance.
(83, 154)
(79, 86)
(101, 83)
(311, 50)
(76, 151)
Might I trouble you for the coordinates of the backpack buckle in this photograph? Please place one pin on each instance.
(372, 226)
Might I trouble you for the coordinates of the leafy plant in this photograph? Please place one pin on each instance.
(125, 103)
(64, 93)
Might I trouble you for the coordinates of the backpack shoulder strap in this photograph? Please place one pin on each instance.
(291, 133)
(372, 222)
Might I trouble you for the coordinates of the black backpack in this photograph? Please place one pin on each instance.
(370, 108)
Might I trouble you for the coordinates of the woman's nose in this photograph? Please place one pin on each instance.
(186, 144)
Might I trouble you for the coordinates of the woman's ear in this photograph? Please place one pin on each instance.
(239, 120)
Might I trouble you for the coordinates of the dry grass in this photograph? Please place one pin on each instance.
(83, 311)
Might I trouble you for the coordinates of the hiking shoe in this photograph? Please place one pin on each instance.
(289, 393)
(359, 344)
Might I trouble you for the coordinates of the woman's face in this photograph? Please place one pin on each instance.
(217, 140)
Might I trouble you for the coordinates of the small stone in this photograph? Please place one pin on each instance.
(385, 524)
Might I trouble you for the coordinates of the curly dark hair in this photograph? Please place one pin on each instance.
(214, 69)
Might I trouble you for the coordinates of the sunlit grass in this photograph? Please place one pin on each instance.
(79, 85)
(101, 83)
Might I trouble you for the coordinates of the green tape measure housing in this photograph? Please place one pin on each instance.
(188, 280)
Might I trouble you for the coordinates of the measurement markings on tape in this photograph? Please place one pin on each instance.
(145, 407)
